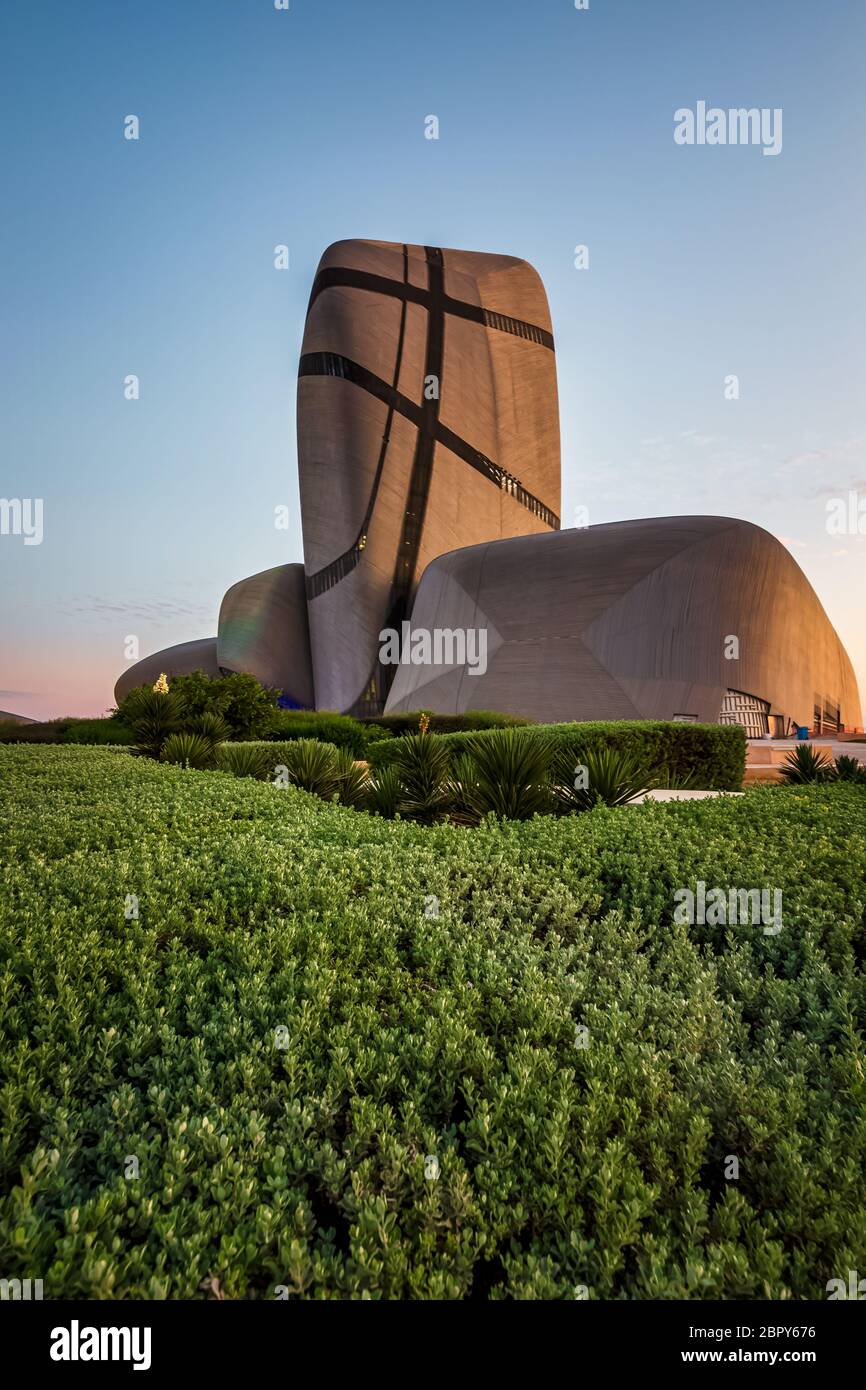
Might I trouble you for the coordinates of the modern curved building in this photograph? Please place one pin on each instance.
(428, 446)
(180, 660)
(692, 618)
(263, 629)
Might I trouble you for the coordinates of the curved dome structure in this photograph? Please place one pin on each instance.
(180, 660)
(263, 630)
(689, 617)
(427, 419)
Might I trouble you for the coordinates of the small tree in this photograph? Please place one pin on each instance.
(246, 706)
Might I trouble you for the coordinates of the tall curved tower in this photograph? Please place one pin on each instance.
(427, 421)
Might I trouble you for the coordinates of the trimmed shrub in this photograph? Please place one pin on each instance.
(52, 732)
(374, 732)
(711, 755)
(107, 730)
(311, 1001)
(98, 731)
(473, 719)
(324, 725)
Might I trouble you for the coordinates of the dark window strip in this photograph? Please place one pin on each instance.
(500, 476)
(335, 365)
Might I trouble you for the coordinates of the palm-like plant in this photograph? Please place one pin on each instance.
(244, 760)
(462, 781)
(209, 726)
(153, 716)
(187, 750)
(850, 770)
(384, 792)
(806, 764)
(509, 775)
(606, 777)
(422, 766)
(312, 766)
(351, 778)
(671, 780)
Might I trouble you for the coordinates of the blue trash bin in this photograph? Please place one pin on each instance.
(802, 732)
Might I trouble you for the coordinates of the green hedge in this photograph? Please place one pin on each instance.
(359, 736)
(428, 984)
(68, 730)
(325, 725)
(279, 752)
(399, 724)
(714, 753)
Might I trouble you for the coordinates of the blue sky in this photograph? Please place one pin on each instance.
(261, 127)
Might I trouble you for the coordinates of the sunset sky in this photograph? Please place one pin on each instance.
(260, 127)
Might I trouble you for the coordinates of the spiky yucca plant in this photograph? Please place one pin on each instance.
(422, 766)
(509, 775)
(244, 760)
(209, 726)
(676, 781)
(351, 778)
(806, 764)
(462, 780)
(187, 750)
(850, 770)
(384, 792)
(610, 778)
(312, 766)
(153, 716)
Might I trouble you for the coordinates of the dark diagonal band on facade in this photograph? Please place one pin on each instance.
(336, 277)
(331, 574)
(344, 369)
(372, 698)
(422, 464)
(334, 364)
